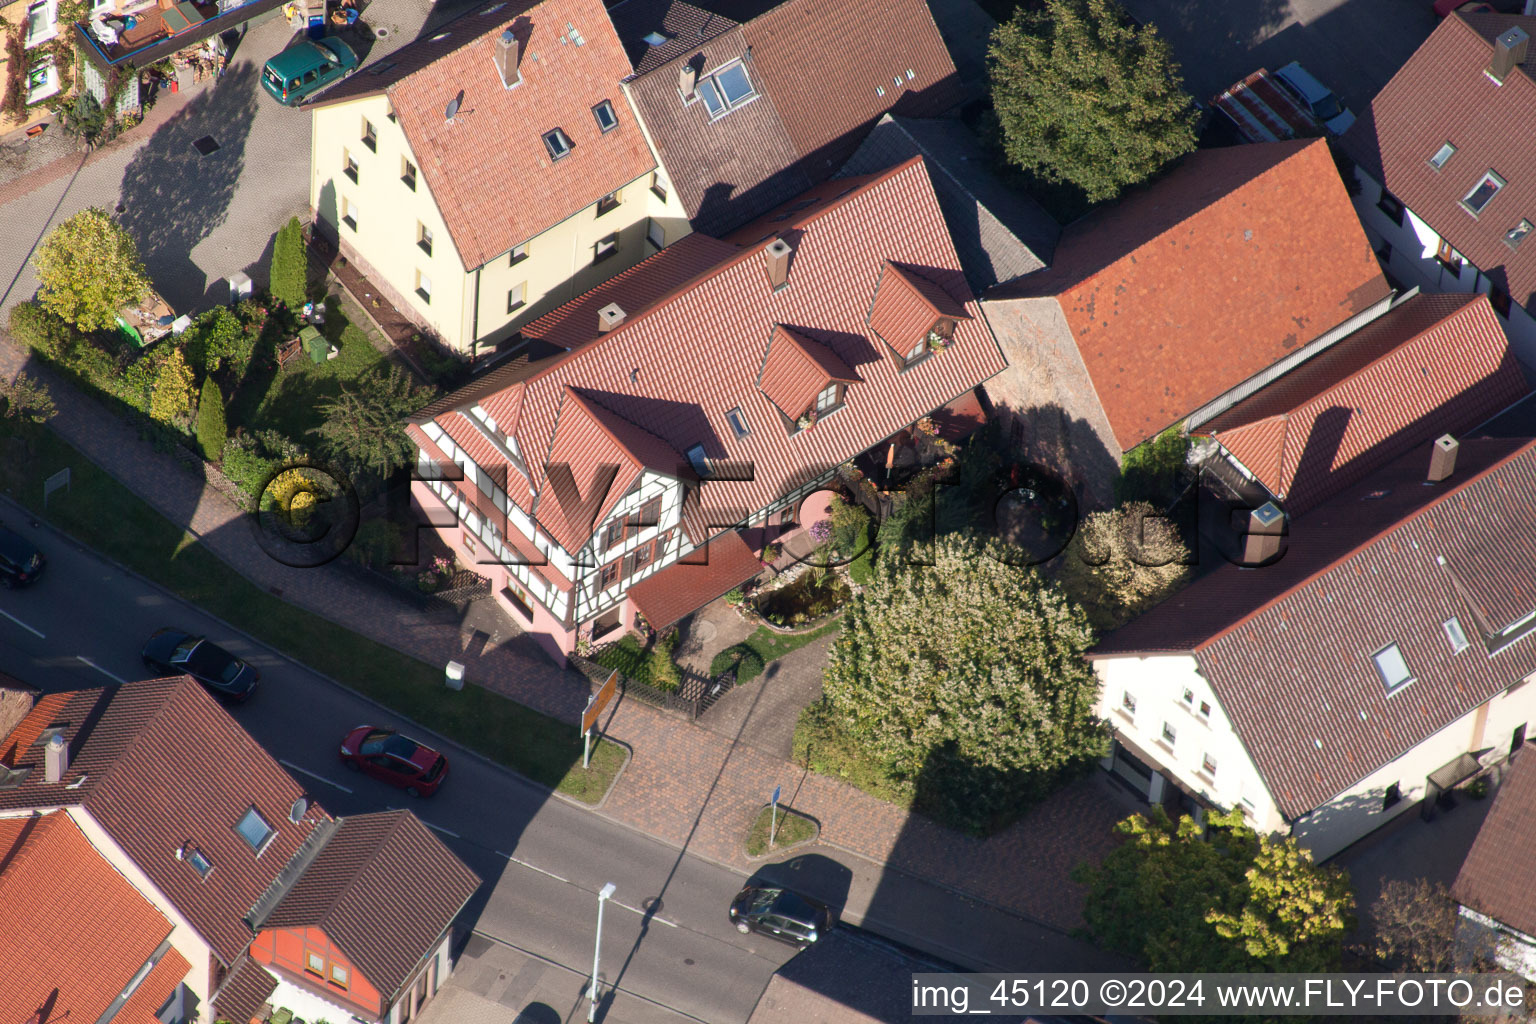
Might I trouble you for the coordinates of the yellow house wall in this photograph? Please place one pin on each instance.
(13, 17)
(559, 264)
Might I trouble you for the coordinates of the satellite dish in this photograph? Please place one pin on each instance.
(453, 107)
(296, 812)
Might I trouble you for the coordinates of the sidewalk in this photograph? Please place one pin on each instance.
(686, 785)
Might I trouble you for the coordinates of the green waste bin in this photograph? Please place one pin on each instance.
(315, 344)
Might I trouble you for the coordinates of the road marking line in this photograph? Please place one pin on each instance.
(306, 771)
(23, 625)
(444, 831)
(98, 668)
(551, 874)
(654, 917)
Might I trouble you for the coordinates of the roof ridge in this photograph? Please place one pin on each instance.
(853, 192)
(1376, 538)
(292, 873)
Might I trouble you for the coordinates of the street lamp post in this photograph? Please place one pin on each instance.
(602, 897)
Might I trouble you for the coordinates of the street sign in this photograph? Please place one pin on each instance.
(53, 483)
(593, 711)
(599, 701)
(777, 792)
(773, 827)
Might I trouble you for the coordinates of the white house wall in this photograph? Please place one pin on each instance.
(1514, 950)
(1158, 684)
(1412, 262)
(1358, 811)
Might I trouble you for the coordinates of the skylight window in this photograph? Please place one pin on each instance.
(1442, 154)
(558, 144)
(726, 89)
(253, 828)
(654, 38)
(607, 120)
(1393, 668)
(200, 862)
(738, 421)
(1456, 635)
(1480, 196)
(1515, 235)
(698, 459)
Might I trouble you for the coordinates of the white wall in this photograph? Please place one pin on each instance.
(1358, 810)
(1158, 684)
(1514, 950)
(1413, 262)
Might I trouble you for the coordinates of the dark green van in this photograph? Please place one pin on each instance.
(307, 66)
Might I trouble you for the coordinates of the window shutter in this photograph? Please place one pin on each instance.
(629, 565)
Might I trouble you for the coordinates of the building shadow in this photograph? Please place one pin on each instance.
(173, 196)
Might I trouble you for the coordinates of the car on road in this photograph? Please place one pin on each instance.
(173, 652)
(307, 67)
(20, 562)
(1316, 97)
(1443, 8)
(398, 760)
(782, 914)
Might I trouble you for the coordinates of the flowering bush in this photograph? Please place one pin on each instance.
(821, 531)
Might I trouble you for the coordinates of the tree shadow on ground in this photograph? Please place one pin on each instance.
(173, 196)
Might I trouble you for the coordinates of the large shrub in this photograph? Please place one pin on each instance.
(171, 399)
(42, 330)
(288, 270)
(211, 429)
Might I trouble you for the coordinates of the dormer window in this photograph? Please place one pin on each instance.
(913, 314)
(1393, 668)
(828, 399)
(803, 378)
(1483, 193)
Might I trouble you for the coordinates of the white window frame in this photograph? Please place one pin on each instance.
(709, 85)
(423, 287)
(1455, 635)
(517, 298)
(826, 399)
(51, 31)
(50, 86)
(1170, 735)
(351, 214)
(1442, 156)
(1387, 660)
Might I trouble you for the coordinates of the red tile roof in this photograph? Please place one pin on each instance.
(796, 368)
(1289, 648)
(1495, 879)
(158, 764)
(682, 587)
(675, 367)
(822, 76)
(1436, 364)
(1442, 95)
(1193, 284)
(487, 169)
(383, 889)
(76, 930)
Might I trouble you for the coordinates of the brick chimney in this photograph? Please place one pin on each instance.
(776, 257)
(508, 56)
(55, 758)
(1508, 53)
(688, 79)
(609, 317)
(1262, 533)
(1442, 458)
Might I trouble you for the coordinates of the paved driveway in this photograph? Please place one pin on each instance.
(1353, 46)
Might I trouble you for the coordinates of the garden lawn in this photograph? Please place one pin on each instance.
(103, 514)
(768, 646)
(286, 399)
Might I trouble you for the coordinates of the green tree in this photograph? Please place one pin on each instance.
(212, 432)
(965, 679)
(364, 426)
(174, 388)
(1121, 562)
(1084, 96)
(88, 268)
(288, 272)
(1223, 899)
(26, 400)
(219, 335)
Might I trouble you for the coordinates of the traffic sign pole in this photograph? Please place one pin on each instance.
(773, 826)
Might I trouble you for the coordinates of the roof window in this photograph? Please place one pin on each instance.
(725, 90)
(1456, 635)
(1515, 235)
(1480, 196)
(558, 144)
(198, 859)
(738, 421)
(607, 120)
(654, 38)
(1393, 668)
(253, 828)
(698, 460)
(1442, 154)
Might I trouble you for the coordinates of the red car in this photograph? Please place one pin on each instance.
(395, 759)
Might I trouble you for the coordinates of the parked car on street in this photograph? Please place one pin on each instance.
(306, 67)
(172, 652)
(782, 914)
(20, 562)
(1317, 97)
(398, 760)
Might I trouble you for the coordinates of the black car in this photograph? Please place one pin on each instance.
(172, 652)
(20, 562)
(781, 913)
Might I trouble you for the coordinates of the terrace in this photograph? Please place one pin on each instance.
(144, 31)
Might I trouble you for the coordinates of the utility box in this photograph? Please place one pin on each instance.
(454, 676)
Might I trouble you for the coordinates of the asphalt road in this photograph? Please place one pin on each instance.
(83, 624)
